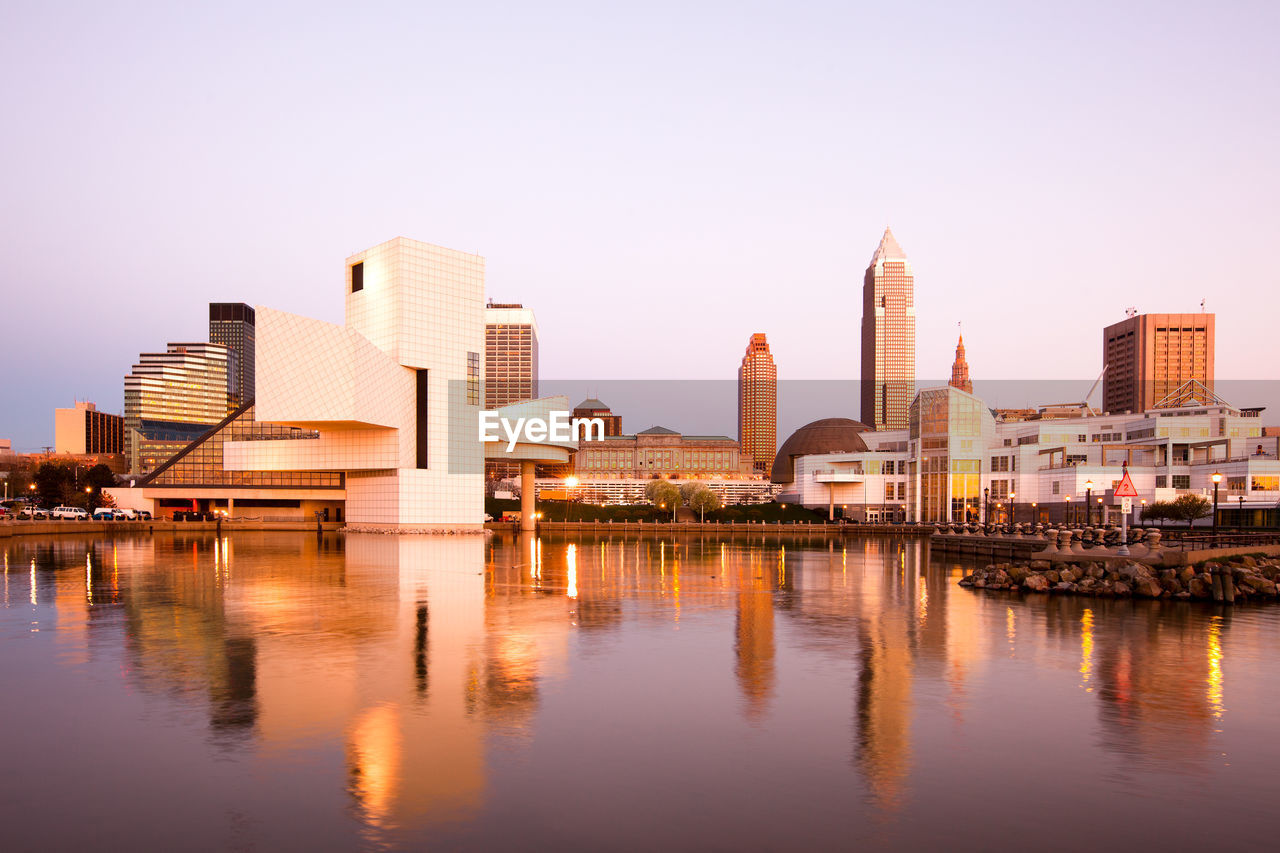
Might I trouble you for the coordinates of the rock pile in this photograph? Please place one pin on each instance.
(1249, 578)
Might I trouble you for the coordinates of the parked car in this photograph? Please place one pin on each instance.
(106, 513)
(69, 513)
(33, 513)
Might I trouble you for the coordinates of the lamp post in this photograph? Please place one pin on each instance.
(1088, 502)
(570, 483)
(1217, 478)
(1068, 513)
(1035, 513)
(986, 508)
(1013, 512)
(1240, 517)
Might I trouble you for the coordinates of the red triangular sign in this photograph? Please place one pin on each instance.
(1126, 489)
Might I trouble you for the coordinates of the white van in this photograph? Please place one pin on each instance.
(71, 513)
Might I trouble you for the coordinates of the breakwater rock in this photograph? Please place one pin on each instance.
(1243, 577)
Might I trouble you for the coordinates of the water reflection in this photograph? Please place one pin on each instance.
(438, 684)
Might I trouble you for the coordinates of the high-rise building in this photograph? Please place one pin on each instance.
(1149, 357)
(83, 430)
(758, 404)
(174, 392)
(232, 325)
(510, 354)
(888, 337)
(960, 370)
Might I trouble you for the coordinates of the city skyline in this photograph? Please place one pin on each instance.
(1110, 190)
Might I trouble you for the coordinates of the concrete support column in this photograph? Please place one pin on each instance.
(831, 501)
(527, 522)
(231, 507)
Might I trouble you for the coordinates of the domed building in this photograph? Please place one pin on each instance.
(829, 435)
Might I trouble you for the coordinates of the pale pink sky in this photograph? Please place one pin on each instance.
(657, 180)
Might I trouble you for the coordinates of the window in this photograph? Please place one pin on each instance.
(1162, 481)
(1182, 481)
(473, 379)
(1057, 486)
(357, 277)
(422, 418)
(1264, 484)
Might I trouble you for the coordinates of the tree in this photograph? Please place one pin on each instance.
(702, 500)
(663, 494)
(52, 482)
(689, 489)
(1157, 511)
(1190, 507)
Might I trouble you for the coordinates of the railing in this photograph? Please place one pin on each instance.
(1206, 541)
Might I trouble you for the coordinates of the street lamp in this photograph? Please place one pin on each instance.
(986, 508)
(1068, 509)
(1088, 502)
(570, 483)
(1240, 517)
(1035, 513)
(1012, 510)
(1217, 478)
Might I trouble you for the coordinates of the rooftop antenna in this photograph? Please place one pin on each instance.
(1131, 311)
(1201, 306)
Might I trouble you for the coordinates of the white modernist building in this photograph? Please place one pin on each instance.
(374, 422)
(957, 463)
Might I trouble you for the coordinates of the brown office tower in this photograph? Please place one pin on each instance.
(232, 325)
(888, 337)
(960, 370)
(1150, 357)
(758, 404)
(593, 408)
(510, 354)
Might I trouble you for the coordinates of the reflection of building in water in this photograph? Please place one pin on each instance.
(1158, 679)
(753, 646)
(884, 706)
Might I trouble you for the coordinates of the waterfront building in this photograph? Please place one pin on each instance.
(377, 416)
(82, 429)
(616, 470)
(232, 325)
(181, 391)
(510, 354)
(888, 336)
(1152, 358)
(957, 463)
(960, 370)
(758, 404)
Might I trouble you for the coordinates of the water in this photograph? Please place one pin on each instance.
(280, 692)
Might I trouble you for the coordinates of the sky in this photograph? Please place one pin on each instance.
(658, 181)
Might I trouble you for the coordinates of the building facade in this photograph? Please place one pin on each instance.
(510, 354)
(1149, 357)
(957, 463)
(232, 325)
(617, 468)
(184, 386)
(758, 404)
(83, 429)
(593, 408)
(888, 337)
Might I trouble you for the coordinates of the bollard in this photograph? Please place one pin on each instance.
(1228, 585)
(1215, 578)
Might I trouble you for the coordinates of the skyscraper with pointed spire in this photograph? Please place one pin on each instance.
(758, 404)
(888, 337)
(960, 370)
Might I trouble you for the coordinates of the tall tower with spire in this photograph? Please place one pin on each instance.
(960, 370)
(888, 337)
(758, 404)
